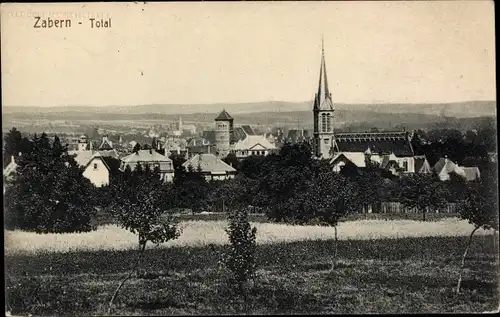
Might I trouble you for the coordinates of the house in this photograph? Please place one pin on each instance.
(253, 145)
(212, 167)
(96, 170)
(106, 148)
(471, 173)
(422, 166)
(445, 166)
(154, 159)
(357, 159)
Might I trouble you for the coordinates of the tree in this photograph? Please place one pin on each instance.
(137, 148)
(331, 197)
(240, 258)
(140, 207)
(422, 191)
(49, 192)
(480, 208)
(12, 145)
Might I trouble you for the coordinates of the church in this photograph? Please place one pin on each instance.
(392, 150)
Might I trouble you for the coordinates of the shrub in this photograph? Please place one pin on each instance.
(240, 258)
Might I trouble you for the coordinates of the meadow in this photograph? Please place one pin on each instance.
(400, 266)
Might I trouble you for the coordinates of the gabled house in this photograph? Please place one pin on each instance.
(422, 166)
(96, 170)
(154, 159)
(445, 166)
(212, 167)
(253, 145)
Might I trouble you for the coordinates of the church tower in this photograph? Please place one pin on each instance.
(223, 132)
(323, 113)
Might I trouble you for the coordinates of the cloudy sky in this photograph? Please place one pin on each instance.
(191, 53)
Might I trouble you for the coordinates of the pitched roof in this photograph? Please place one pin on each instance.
(446, 165)
(223, 116)
(378, 142)
(97, 156)
(357, 158)
(209, 163)
(471, 173)
(145, 156)
(111, 153)
(248, 130)
(238, 134)
(422, 165)
(106, 144)
(82, 157)
(203, 149)
(251, 141)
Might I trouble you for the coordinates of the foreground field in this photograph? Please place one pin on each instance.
(199, 233)
(407, 275)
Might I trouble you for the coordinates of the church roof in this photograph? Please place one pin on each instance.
(378, 142)
(224, 116)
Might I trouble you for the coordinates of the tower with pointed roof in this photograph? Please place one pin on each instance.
(323, 113)
(223, 132)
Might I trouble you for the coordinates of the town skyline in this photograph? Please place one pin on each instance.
(426, 52)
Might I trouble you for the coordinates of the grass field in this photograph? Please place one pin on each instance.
(373, 276)
(199, 233)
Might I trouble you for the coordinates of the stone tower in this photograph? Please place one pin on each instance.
(223, 132)
(323, 113)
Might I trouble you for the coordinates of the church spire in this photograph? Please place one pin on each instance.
(323, 99)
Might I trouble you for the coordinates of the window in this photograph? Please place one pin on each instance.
(323, 122)
(156, 165)
(326, 141)
(328, 123)
(405, 165)
(95, 166)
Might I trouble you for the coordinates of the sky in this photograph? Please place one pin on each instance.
(202, 53)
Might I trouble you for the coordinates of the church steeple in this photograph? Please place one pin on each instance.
(323, 100)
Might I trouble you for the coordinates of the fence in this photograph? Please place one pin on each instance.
(397, 207)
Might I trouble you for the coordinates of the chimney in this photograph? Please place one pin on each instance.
(12, 158)
(178, 150)
(150, 151)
